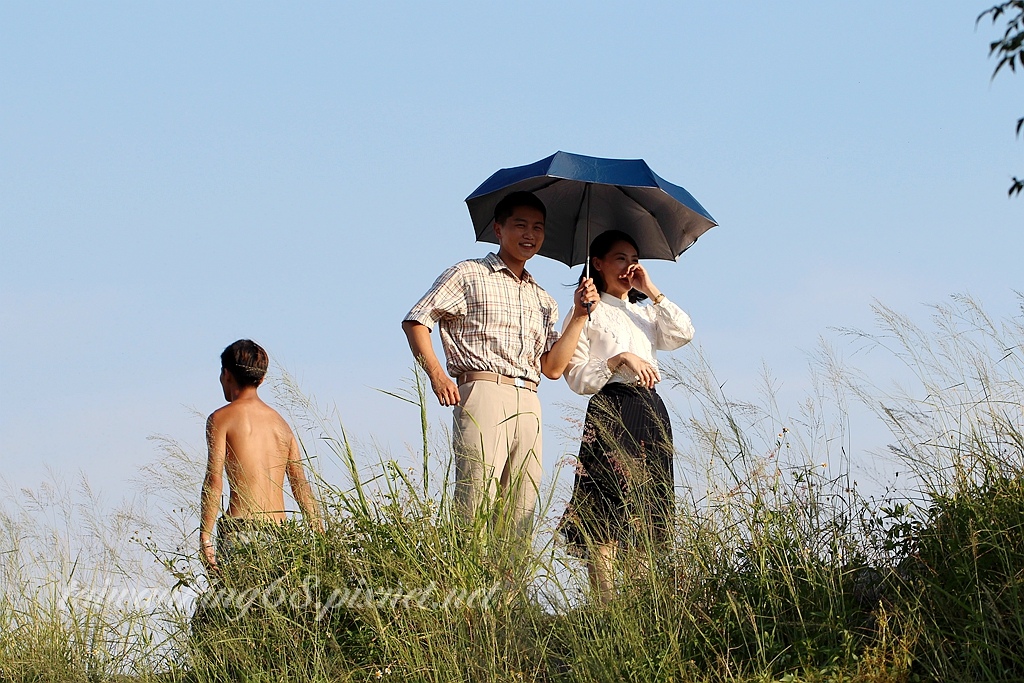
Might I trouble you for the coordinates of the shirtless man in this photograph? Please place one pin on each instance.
(254, 444)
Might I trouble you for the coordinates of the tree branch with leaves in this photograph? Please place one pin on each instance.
(1010, 51)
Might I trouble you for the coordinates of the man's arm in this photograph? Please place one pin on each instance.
(556, 359)
(213, 485)
(423, 351)
(301, 490)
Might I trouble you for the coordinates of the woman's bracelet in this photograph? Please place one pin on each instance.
(658, 299)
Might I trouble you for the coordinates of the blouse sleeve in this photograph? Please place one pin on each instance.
(673, 325)
(586, 374)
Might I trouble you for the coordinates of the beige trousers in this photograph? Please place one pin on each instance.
(497, 439)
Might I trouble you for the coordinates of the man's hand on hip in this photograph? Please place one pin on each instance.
(445, 390)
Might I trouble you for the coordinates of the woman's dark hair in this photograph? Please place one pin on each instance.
(599, 248)
(246, 361)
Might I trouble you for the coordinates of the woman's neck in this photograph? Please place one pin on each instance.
(617, 295)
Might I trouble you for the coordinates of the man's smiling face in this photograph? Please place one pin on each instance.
(521, 235)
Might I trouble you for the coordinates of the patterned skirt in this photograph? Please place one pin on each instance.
(624, 488)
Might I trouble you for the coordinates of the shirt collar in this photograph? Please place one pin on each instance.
(496, 264)
(614, 300)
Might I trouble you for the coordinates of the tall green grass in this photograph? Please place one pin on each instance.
(779, 567)
(959, 427)
(65, 561)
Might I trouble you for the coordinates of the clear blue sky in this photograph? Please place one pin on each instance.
(174, 176)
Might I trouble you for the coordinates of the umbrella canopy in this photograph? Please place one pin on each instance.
(586, 196)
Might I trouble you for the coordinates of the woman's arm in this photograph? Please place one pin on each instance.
(586, 375)
(673, 325)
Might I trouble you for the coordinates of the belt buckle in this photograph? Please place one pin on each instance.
(519, 382)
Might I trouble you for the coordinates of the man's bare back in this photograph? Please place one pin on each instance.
(252, 443)
(258, 447)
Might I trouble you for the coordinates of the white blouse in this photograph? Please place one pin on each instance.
(616, 326)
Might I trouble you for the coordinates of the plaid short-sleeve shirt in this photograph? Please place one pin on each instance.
(490, 320)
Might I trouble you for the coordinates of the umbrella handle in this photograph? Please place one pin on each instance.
(586, 266)
(587, 262)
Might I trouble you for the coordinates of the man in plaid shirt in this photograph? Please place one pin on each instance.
(498, 333)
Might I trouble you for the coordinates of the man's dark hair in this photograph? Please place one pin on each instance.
(246, 361)
(513, 201)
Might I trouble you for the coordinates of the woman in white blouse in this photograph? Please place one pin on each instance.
(624, 490)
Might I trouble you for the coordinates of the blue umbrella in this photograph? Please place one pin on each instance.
(586, 196)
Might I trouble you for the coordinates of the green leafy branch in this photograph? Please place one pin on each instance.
(1010, 51)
